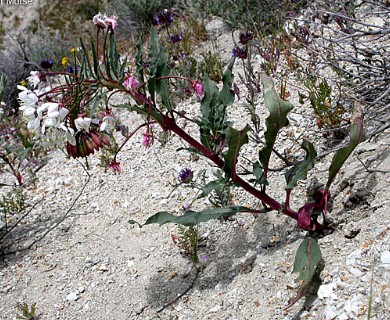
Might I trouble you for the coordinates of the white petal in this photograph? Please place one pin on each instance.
(52, 106)
(41, 108)
(63, 113)
(29, 111)
(103, 126)
(22, 88)
(49, 122)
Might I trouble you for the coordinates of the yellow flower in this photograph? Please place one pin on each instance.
(73, 50)
(64, 60)
(23, 83)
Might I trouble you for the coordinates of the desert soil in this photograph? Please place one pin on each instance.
(76, 256)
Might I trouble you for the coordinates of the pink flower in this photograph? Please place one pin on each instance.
(131, 83)
(198, 88)
(115, 166)
(98, 20)
(111, 21)
(147, 140)
(102, 21)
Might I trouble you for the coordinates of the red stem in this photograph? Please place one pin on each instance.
(273, 204)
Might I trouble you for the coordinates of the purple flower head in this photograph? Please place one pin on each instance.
(147, 139)
(241, 53)
(70, 69)
(115, 166)
(186, 175)
(46, 64)
(245, 37)
(163, 18)
(175, 38)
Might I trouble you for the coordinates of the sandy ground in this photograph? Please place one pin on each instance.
(93, 264)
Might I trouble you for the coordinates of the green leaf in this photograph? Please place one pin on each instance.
(210, 98)
(139, 61)
(95, 61)
(259, 174)
(3, 83)
(85, 56)
(143, 110)
(192, 218)
(357, 136)
(158, 68)
(235, 140)
(307, 259)
(226, 95)
(300, 171)
(212, 185)
(277, 119)
(114, 59)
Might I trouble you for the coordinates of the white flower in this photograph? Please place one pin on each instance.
(107, 124)
(27, 97)
(42, 108)
(69, 135)
(34, 124)
(63, 113)
(52, 109)
(98, 20)
(35, 78)
(83, 123)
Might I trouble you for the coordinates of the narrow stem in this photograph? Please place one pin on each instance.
(273, 204)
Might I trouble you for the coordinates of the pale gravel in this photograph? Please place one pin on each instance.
(96, 265)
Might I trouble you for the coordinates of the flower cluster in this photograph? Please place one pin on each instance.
(241, 53)
(46, 64)
(164, 18)
(47, 119)
(102, 21)
(186, 175)
(245, 37)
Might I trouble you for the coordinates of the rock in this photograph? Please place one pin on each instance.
(330, 313)
(327, 291)
(72, 297)
(385, 260)
(352, 263)
(215, 309)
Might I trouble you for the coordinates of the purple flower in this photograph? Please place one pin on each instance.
(115, 166)
(245, 37)
(175, 38)
(70, 69)
(163, 18)
(46, 64)
(131, 83)
(198, 88)
(186, 175)
(147, 140)
(241, 53)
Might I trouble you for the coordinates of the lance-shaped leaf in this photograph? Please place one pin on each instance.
(300, 171)
(258, 172)
(226, 95)
(143, 110)
(306, 262)
(357, 136)
(277, 119)
(235, 140)
(209, 187)
(210, 99)
(3, 83)
(192, 218)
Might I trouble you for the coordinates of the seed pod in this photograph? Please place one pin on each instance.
(96, 138)
(105, 139)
